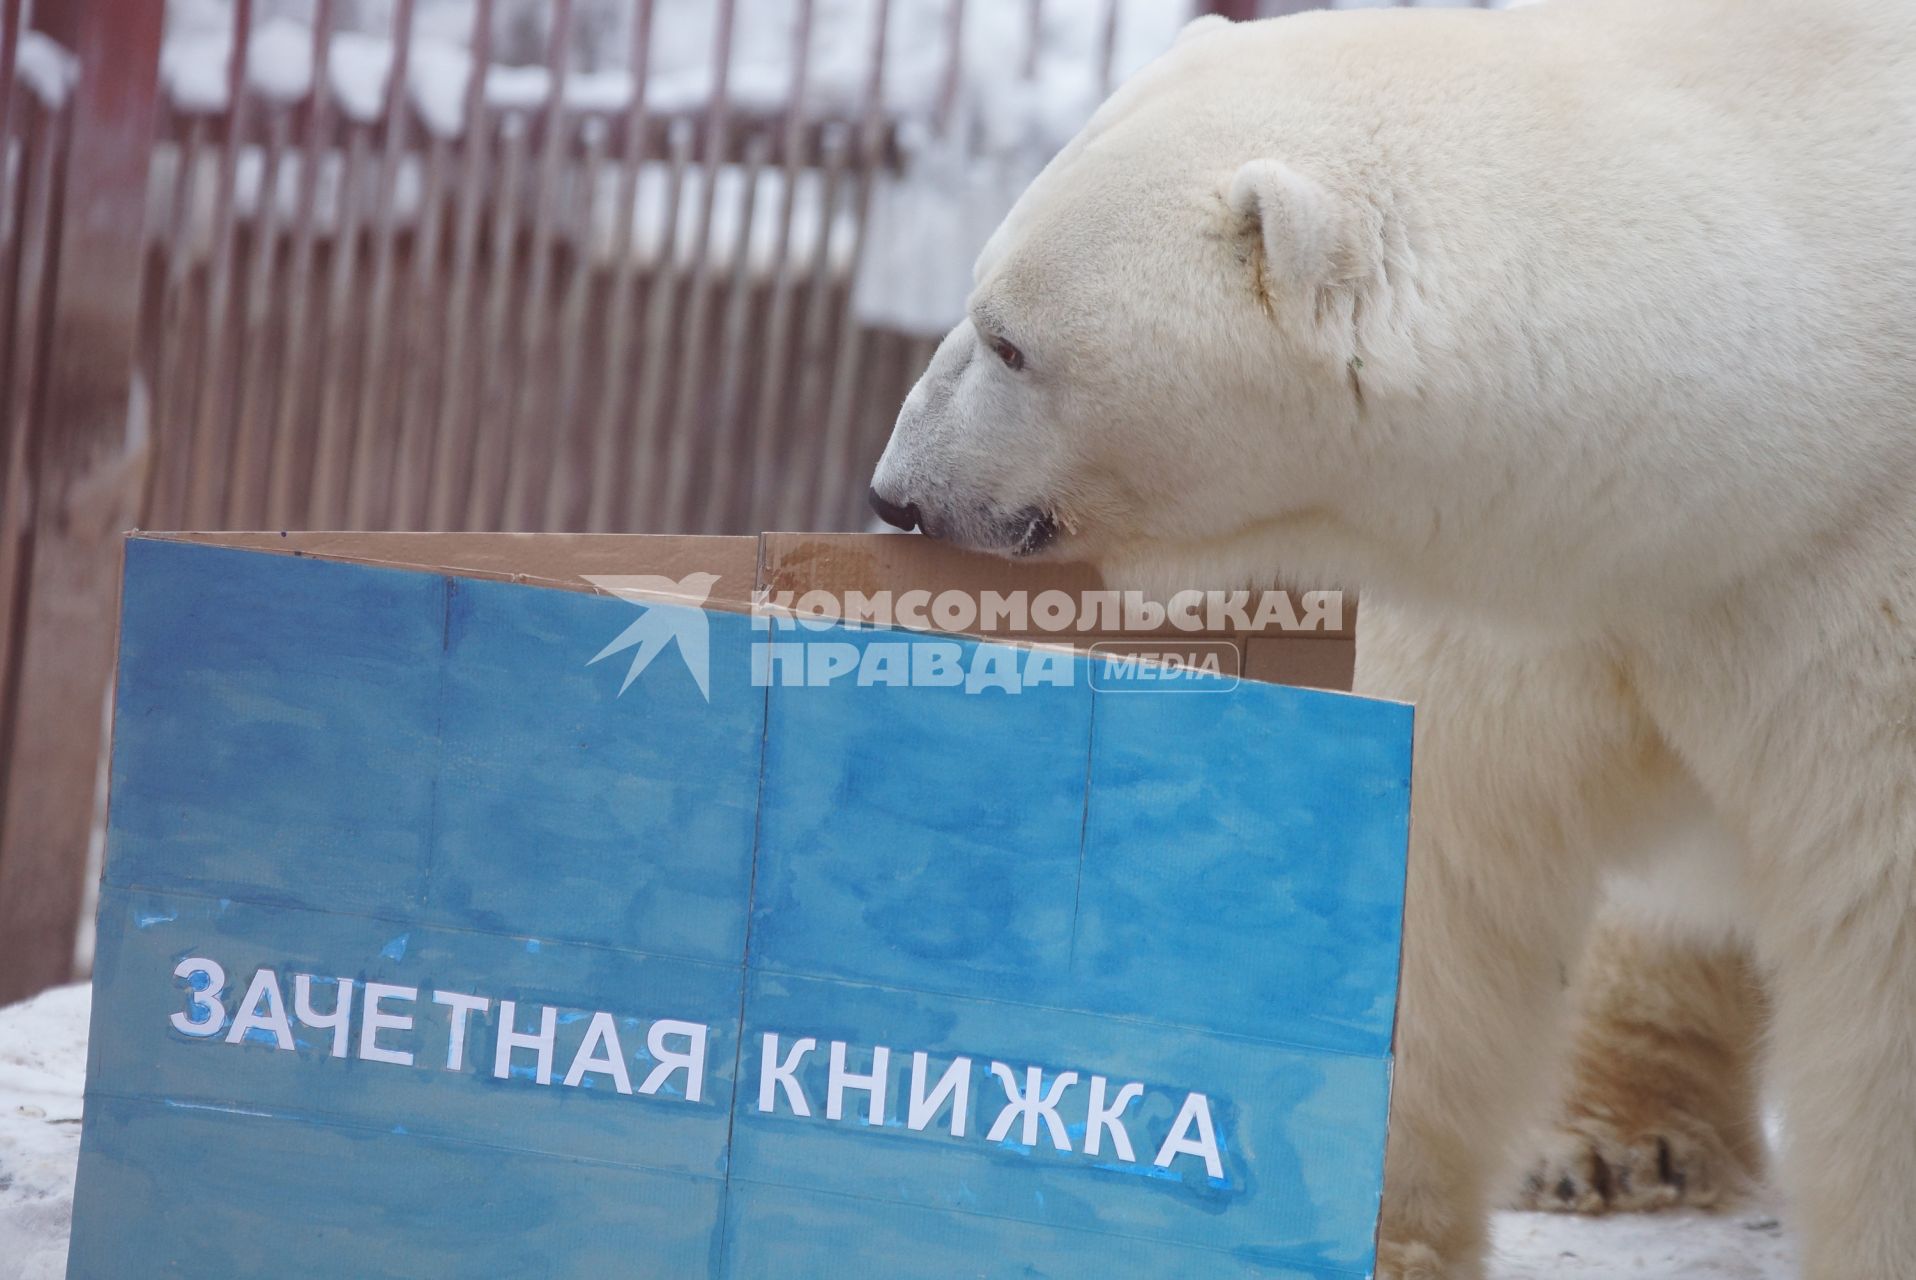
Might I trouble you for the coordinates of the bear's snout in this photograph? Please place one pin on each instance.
(899, 517)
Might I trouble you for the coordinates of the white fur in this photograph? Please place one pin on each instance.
(1582, 339)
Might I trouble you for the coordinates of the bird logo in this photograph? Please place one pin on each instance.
(682, 619)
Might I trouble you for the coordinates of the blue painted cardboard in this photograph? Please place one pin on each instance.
(1071, 981)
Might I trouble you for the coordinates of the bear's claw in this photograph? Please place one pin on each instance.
(1592, 1167)
(1412, 1262)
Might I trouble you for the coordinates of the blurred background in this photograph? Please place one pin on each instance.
(608, 265)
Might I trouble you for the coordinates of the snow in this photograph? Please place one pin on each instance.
(652, 213)
(46, 68)
(682, 72)
(43, 1063)
(1747, 1243)
(42, 1069)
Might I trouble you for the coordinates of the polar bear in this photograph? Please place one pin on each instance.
(1581, 339)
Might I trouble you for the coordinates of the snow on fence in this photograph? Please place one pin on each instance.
(389, 284)
(357, 322)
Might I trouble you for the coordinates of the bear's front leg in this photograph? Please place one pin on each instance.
(1527, 762)
(1795, 704)
(1841, 939)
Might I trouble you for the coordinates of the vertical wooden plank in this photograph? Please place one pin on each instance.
(486, 501)
(840, 486)
(725, 470)
(568, 497)
(530, 444)
(648, 449)
(612, 441)
(797, 500)
(211, 441)
(420, 354)
(244, 500)
(290, 466)
(87, 480)
(771, 421)
(171, 396)
(10, 219)
(1251, 10)
(339, 352)
(18, 199)
(22, 352)
(1107, 47)
(455, 445)
(371, 449)
(686, 430)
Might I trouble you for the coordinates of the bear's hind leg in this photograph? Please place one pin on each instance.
(1660, 1108)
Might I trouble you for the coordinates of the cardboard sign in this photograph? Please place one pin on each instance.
(457, 925)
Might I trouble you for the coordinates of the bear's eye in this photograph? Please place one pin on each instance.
(1013, 358)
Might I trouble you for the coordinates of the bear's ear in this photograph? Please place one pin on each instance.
(1311, 238)
(1199, 26)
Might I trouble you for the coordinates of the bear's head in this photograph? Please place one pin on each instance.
(1432, 303)
(1161, 357)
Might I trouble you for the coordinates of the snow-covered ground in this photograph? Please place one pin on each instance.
(42, 1073)
(43, 1065)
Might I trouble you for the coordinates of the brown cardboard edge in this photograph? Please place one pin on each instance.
(795, 562)
(558, 560)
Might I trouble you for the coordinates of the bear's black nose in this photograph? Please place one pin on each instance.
(905, 517)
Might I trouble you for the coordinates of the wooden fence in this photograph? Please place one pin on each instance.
(275, 312)
(369, 324)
